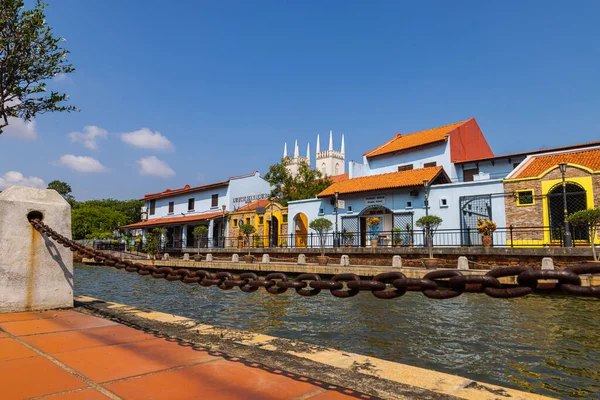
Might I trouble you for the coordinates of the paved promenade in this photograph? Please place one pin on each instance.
(68, 355)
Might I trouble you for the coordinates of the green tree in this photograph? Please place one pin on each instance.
(64, 189)
(200, 233)
(95, 219)
(591, 220)
(247, 230)
(29, 55)
(153, 241)
(430, 223)
(306, 184)
(321, 226)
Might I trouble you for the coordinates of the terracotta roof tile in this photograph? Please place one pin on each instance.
(339, 178)
(254, 205)
(539, 164)
(174, 220)
(390, 180)
(410, 140)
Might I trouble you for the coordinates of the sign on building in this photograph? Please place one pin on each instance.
(373, 200)
(237, 201)
(341, 204)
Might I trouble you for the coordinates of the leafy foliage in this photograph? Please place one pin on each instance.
(591, 219)
(153, 240)
(95, 219)
(321, 226)
(429, 221)
(29, 55)
(64, 189)
(200, 233)
(486, 226)
(306, 184)
(247, 230)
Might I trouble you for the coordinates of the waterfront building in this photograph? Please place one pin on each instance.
(179, 211)
(269, 218)
(536, 194)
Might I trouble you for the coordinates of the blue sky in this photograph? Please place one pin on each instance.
(227, 83)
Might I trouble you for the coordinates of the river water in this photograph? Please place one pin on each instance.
(543, 344)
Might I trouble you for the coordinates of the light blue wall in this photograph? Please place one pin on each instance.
(247, 186)
(497, 168)
(202, 204)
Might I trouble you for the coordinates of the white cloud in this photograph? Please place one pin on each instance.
(82, 163)
(147, 139)
(155, 167)
(61, 76)
(12, 178)
(89, 136)
(20, 129)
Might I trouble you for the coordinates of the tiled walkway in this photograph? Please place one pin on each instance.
(66, 355)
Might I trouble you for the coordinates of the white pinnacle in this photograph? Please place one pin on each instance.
(330, 140)
(343, 145)
(296, 151)
(318, 144)
(308, 152)
(284, 150)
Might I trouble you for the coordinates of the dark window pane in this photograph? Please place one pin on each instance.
(429, 164)
(152, 207)
(407, 167)
(191, 204)
(468, 174)
(171, 207)
(215, 200)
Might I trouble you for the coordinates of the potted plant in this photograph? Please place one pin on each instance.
(397, 236)
(373, 222)
(240, 238)
(256, 240)
(321, 226)
(283, 243)
(200, 233)
(430, 223)
(409, 235)
(348, 238)
(247, 230)
(591, 220)
(486, 227)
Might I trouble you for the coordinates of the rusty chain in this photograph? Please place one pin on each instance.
(439, 284)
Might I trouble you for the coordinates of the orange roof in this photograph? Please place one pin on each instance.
(188, 188)
(537, 165)
(390, 180)
(339, 178)
(174, 220)
(254, 205)
(410, 140)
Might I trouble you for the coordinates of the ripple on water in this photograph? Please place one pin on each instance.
(544, 344)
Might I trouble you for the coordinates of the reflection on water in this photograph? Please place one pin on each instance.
(544, 344)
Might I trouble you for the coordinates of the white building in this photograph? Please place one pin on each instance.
(179, 211)
(329, 162)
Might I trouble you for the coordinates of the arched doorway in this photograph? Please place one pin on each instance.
(382, 231)
(300, 230)
(576, 201)
(274, 231)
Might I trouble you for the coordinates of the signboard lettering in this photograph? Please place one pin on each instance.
(373, 200)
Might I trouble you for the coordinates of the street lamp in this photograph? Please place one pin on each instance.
(271, 223)
(223, 207)
(426, 186)
(568, 239)
(336, 238)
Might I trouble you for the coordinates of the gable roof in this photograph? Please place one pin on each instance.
(174, 220)
(401, 179)
(415, 139)
(189, 189)
(537, 165)
(339, 178)
(466, 141)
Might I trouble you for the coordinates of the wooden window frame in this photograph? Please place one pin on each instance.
(430, 164)
(407, 167)
(191, 202)
(518, 199)
(152, 207)
(472, 176)
(235, 222)
(214, 201)
(171, 207)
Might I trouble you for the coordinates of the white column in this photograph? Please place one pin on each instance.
(184, 230)
(211, 225)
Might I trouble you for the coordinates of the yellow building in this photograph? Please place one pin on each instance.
(270, 219)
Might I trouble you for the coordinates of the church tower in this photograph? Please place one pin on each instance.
(331, 162)
(294, 163)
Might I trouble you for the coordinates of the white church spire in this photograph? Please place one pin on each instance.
(296, 151)
(330, 140)
(343, 150)
(308, 152)
(284, 150)
(318, 144)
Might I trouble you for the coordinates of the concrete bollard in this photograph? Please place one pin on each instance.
(396, 262)
(463, 262)
(345, 261)
(547, 263)
(209, 257)
(235, 258)
(301, 259)
(35, 272)
(166, 257)
(266, 259)
(186, 256)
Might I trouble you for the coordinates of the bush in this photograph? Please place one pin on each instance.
(486, 226)
(429, 221)
(590, 219)
(321, 226)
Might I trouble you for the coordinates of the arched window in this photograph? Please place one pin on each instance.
(576, 201)
(323, 169)
(337, 169)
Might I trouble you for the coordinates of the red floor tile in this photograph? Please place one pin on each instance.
(116, 362)
(25, 316)
(85, 394)
(37, 326)
(217, 380)
(11, 350)
(86, 338)
(34, 376)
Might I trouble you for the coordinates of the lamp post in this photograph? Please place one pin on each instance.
(271, 223)
(336, 239)
(568, 239)
(427, 227)
(223, 207)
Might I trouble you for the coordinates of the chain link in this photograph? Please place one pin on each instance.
(440, 284)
